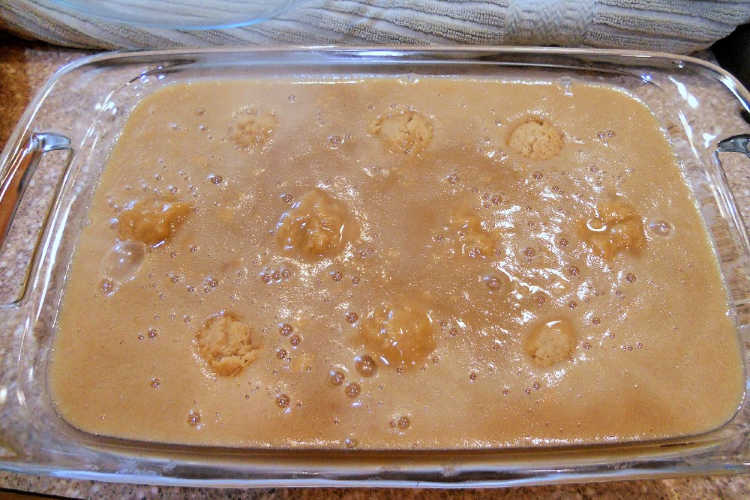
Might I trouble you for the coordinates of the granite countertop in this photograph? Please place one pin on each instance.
(24, 67)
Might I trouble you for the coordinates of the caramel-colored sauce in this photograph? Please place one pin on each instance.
(386, 263)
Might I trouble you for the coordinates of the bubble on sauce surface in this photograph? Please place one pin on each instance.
(335, 141)
(401, 335)
(365, 365)
(336, 377)
(194, 418)
(536, 139)
(352, 390)
(403, 130)
(123, 261)
(282, 401)
(403, 423)
(209, 282)
(152, 221)
(286, 329)
(252, 129)
(660, 228)
(108, 287)
(225, 343)
(604, 135)
(616, 228)
(316, 226)
(551, 342)
(496, 282)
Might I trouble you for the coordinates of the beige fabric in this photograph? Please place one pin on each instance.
(666, 25)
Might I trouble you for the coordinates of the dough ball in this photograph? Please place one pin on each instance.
(317, 226)
(551, 343)
(616, 228)
(536, 139)
(403, 130)
(252, 129)
(152, 221)
(401, 335)
(226, 345)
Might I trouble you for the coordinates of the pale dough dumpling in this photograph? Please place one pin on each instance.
(152, 221)
(403, 130)
(536, 139)
(617, 228)
(551, 342)
(226, 345)
(401, 335)
(252, 129)
(316, 226)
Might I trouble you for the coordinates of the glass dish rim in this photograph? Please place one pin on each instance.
(27, 119)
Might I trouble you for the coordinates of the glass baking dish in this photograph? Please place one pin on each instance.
(79, 114)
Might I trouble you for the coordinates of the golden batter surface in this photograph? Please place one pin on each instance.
(387, 263)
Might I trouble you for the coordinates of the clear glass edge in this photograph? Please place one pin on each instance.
(628, 470)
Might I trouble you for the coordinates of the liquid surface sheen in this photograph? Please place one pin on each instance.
(393, 263)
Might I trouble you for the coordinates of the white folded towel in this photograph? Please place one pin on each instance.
(664, 25)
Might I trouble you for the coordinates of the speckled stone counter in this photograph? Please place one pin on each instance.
(23, 69)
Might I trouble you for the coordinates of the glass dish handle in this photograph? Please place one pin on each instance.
(733, 233)
(736, 144)
(16, 176)
(20, 169)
